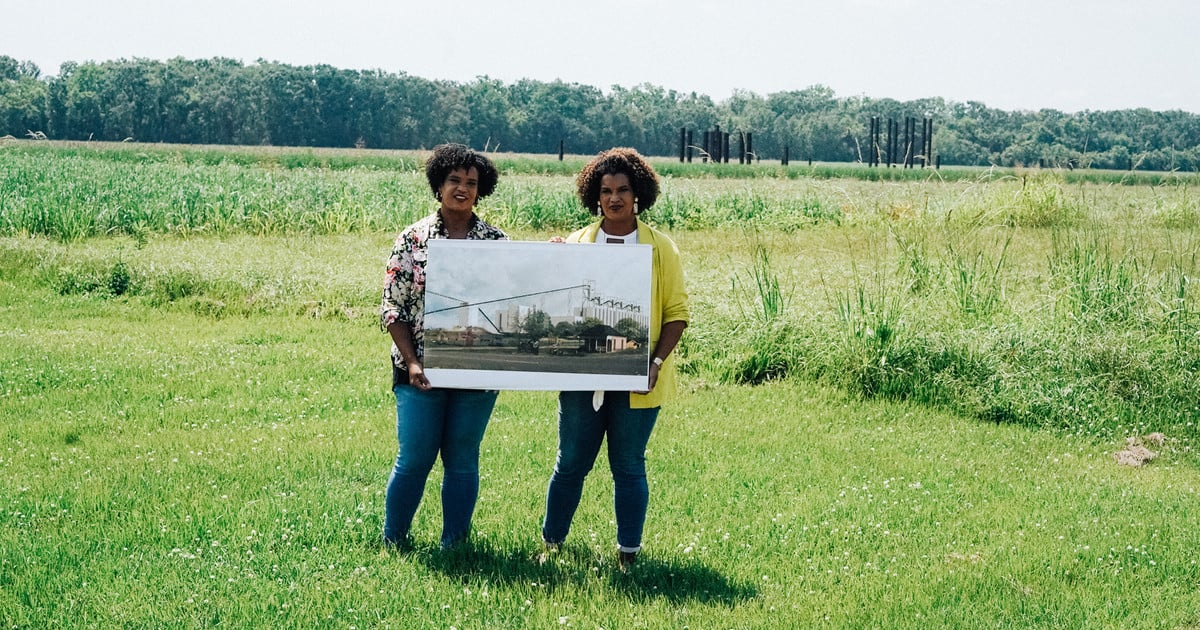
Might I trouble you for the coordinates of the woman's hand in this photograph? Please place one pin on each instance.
(402, 336)
(416, 376)
(668, 338)
(654, 368)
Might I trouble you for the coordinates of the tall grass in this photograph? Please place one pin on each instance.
(75, 190)
(1025, 299)
(1181, 307)
(765, 290)
(1077, 327)
(164, 467)
(75, 197)
(976, 282)
(767, 352)
(1097, 285)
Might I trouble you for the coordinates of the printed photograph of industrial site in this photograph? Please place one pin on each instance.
(533, 315)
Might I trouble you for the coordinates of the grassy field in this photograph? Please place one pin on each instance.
(900, 406)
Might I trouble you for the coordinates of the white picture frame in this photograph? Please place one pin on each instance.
(522, 315)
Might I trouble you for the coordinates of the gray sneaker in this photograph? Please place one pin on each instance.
(549, 551)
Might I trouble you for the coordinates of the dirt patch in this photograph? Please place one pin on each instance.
(1136, 453)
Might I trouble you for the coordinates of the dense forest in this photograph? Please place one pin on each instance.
(223, 101)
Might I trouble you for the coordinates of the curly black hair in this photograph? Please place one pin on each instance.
(450, 157)
(624, 160)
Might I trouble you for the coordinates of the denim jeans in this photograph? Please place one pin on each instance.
(446, 421)
(581, 429)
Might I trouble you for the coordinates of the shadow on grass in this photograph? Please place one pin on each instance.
(649, 579)
(679, 582)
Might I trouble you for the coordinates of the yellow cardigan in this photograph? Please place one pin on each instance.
(668, 301)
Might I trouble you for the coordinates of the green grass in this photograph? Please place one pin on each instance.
(169, 470)
(76, 192)
(530, 164)
(70, 191)
(1101, 277)
(900, 404)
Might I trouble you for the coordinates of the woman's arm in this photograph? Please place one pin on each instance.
(668, 338)
(401, 333)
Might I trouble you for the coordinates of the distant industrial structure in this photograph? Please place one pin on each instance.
(588, 304)
(582, 303)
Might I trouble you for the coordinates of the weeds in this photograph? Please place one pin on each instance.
(915, 261)
(1181, 314)
(977, 282)
(767, 300)
(767, 349)
(1042, 202)
(870, 318)
(1098, 286)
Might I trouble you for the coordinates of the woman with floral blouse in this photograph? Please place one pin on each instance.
(430, 420)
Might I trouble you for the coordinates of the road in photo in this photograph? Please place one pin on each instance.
(510, 359)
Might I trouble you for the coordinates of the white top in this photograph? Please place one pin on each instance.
(606, 238)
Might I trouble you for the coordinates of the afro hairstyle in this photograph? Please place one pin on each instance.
(447, 158)
(617, 160)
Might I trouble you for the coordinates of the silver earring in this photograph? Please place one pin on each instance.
(635, 207)
(438, 195)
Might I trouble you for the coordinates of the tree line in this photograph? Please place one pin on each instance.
(224, 101)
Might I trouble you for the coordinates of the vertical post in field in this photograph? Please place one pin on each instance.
(906, 142)
(882, 146)
(891, 142)
(912, 142)
(912, 148)
(887, 146)
(894, 159)
(928, 141)
(873, 142)
(924, 141)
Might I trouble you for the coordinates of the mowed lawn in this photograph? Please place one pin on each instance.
(164, 468)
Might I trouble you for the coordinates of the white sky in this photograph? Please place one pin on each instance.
(1008, 54)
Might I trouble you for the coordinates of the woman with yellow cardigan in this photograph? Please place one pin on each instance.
(617, 185)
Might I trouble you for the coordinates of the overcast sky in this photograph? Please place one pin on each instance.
(1010, 54)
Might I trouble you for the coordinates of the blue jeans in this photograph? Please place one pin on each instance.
(581, 429)
(446, 421)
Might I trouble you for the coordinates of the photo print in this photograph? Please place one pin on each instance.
(537, 316)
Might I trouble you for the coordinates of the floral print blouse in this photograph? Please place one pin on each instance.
(404, 283)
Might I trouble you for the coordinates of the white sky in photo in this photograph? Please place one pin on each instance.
(1011, 54)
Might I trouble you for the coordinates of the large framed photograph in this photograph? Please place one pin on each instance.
(537, 316)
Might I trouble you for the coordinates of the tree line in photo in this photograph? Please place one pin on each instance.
(224, 101)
